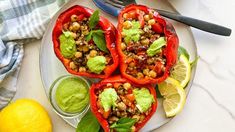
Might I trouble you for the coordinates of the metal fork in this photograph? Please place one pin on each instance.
(113, 7)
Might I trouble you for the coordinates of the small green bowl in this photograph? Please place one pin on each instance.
(54, 104)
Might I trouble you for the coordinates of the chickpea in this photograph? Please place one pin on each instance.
(121, 106)
(150, 61)
(151, 14)
(75, 26)
(152, 74)
(132, 64)
(123, 46)
(72, 65)
(142, 117)
(151, 22)
(133, 129)
(78, 54)
(127, 24)
(146, 17)
(123, 34)
(140, 75)
(74, 18)
(146, 72)
(125, 15)
(137, 117)
(85, 32)
(109, 85)
(85, 48)
(113, 119)
(127, 85)
(145, 41)
(74, 35)
(93, 53)
(82, 69)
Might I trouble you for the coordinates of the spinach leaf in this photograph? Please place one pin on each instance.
(182, 50)
(88, 123)
(99, 40)
(123, 124)
(94, 19)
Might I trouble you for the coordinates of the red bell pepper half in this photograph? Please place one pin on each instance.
(116, 81)
(104, 24)
(161, 27)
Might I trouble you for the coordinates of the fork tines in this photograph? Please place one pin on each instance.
(115, 3)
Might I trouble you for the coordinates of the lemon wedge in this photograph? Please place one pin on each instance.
(174, 96)
(182, 71)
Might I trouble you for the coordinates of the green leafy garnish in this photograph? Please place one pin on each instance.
(97, 35)
(133, 33)
(94, 19)
(156, 46)
(67, 45)
(100, 42)
(182, 50)
(194, 62)
(158, 92)
(123, 124)
(88, 123)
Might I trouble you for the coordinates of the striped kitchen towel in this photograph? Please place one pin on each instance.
(20, 21)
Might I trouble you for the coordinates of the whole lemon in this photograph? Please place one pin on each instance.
(24, 115)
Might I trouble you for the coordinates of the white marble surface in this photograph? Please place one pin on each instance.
(211, 102)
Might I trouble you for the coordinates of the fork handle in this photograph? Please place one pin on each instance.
(202, 25)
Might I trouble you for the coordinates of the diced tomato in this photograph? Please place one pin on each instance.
(80, 17)
(158, 67)
(157, 28)
(116, 85)
(105, 113)
(130, 97)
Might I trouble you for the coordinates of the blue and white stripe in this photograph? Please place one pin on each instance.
(20, 21)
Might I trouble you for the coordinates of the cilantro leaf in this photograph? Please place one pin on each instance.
(99, 40)
(123, 124)
(94, 19)
(182, 50)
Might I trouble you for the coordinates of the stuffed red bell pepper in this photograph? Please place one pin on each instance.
(147, 45)
(120, 105)
(85, 43)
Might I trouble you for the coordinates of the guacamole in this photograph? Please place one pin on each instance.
(156, 46)
(67, 45)
(143, 98)
(72, 95)
(96, 64)
(108, 98)
(133, 33)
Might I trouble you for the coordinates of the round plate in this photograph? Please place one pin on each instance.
(51, 68)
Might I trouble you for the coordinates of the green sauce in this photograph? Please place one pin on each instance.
(72, 95)
(143, 98)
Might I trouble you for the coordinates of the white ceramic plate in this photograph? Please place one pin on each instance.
(51, 68)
